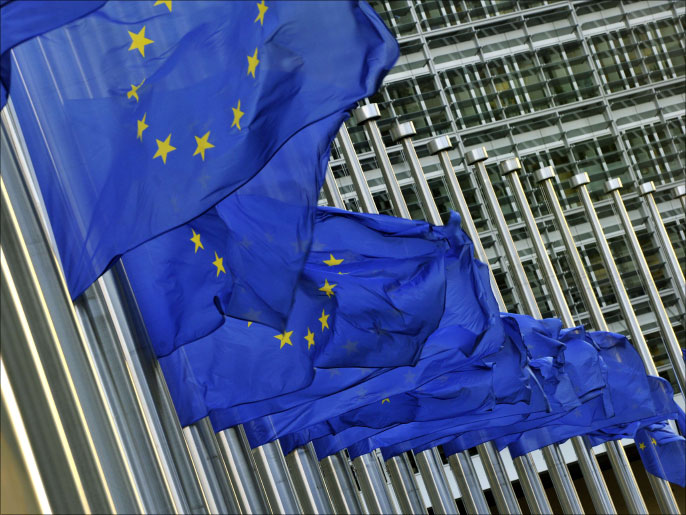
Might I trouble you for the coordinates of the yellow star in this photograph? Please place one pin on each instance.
(309, 338)
(196, 239)
(253, 61)
(141, 127)
(642, 446)
(284, 338)
(263, 9)
(219, 263)
(386, 400)
(163, 148)
(332, 261)
(203, 145)
(328, 288)
(249, 324)
(134, 91)
(237, 114)
(165, 2)
(138, 41)
(653, 441)
(324, 319)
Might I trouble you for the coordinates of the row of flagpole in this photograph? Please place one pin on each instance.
(127, 451)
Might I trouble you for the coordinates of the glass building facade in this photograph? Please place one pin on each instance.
(594, 87)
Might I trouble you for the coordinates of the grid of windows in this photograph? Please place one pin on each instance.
(584, 86)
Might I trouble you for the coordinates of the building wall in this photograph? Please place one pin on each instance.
(594, 87)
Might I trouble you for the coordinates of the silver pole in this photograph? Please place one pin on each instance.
(242, 471)
(340, 484)
(531, 483)
(430, 465)
(615, 450)
(501, 488)
(671, 343)
(661, 488)
(403, 132)
(405, 484)
(115, 294)
(57, 463)
(364, 196)
(440, 146)
(590, 469)
(471, 492)
(647, 189)
(374, 487)
(680, 193)
(559, 474)
(275, 479)
(208, 480)
(309, 484)
(367, 115)
(331, 192)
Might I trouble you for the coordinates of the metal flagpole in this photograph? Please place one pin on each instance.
(374, 487)
(405, 484)
(341, 484)
(35, 403)
(669, 338)
(471, 491)
(333, 196)
(242, 471)
(214, 485)
(367, 116)
(364, 196)
(149, 382)
(646, 190)
(661, 488)
(526, 471)
(680, 193)
(402, 133)
(430, 465)
(309, 485)
(440, 146)
(559, 474)
(589, 466)
(277, 483)
(615, 450)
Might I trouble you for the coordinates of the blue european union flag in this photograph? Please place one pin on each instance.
(470, 329)
(451, 399)
(663, 452)
(140, 116)
(627, 395)
(388, 272)
(552, 412)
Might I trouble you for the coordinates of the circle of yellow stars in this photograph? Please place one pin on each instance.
(139, 40)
